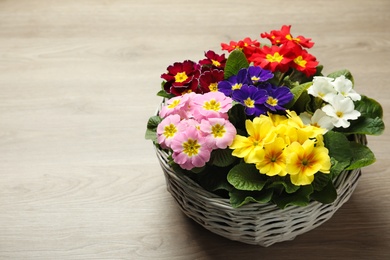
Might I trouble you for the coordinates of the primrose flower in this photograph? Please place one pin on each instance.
(322, 87)
(305, 62)
(176, 105)
(260, 132)
(272, 159)
(256, 74)
(344, 87)
(274, 58)
(214, 60)
(304, 160)
(167, 130)
(211, 104)
(190, 150)
(319, 119)
(341, 110)
(284, 36)
(220, 132)
(182, 77)
(209, 80)
(233, 83)
(247, 45)
(252, 98)
(278, 97)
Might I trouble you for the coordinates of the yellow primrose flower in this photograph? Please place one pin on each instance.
(260, 132)
(304, 160)
(271, 159)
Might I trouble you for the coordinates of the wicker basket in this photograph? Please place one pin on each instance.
(254, 223)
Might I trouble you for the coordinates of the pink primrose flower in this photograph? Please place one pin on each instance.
(211, 105)
(167, 130)
(220, 132)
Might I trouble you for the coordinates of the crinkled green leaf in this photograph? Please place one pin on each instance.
(234, 63)
(362, 156)
(151, 128)
(222, 157)
(326, 195)
(338, 146)
(344, 72)
(239, 198)
(299, 198)
(320, 181)
(246, 177)
(283, 184)
(301, 98)
(214, 179)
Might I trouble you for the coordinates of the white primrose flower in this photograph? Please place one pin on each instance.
(318, 119)
(344, 87)
(341, 110)
(323, 88)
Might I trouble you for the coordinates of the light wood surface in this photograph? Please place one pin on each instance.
(77, 84)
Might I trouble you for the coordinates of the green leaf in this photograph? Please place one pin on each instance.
(326, 195)
(346, 73)
(301, 98)
(338, 146)
(369, 107)
(320, 181)
(239, 198)
(222, 157)
(362, 156)
(234, 63)
(299, 198)
(370, 122)
(237, 116)
(246, 177)
(151, 128)
(164, 94)
(283, 184)
(214, 179)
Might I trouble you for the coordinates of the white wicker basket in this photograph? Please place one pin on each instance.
(254, 223)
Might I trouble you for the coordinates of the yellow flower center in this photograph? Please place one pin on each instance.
(174, 104)
(272, 101)
(274, 58)
(218, 130)
(236, 86)
(212, 105)
(213, 87)
(255, 79)
(249, 102)
(191, 147)
(181, 77)
(300, 61)
(216, 63)
(170, 130)
(339, 114)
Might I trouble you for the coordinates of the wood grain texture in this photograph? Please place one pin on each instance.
(77, 84)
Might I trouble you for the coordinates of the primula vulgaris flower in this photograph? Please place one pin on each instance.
(318, 119)
(304, 62)
(271, 159)
(323, 88)
(181, 77)
(233, 83)
(177, 105)
(278, 97)
(220, 132)
(304, 160)
(167, 129)
(252, 98)
(274, 58)
(209, 80)
(260, 132)
(341, 110)
(283, 36)
(256, 74)
(247, 45)
(344, 87)
(190, 149)
(211, 104)
(214, 60)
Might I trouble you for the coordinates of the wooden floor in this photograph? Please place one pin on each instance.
(77, 84)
